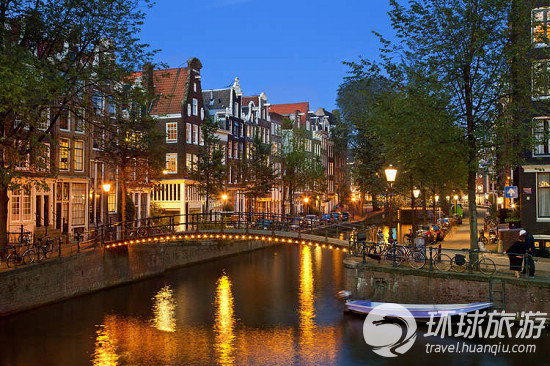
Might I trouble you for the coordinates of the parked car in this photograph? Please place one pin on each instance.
(311, 220)
(336, 216)
(264, 224)
(345, 216)
(295, 223)
(326, 218)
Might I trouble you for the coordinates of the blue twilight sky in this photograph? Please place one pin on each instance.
(290, 49)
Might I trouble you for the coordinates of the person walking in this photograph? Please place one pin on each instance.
(530, 247)
(516, 253)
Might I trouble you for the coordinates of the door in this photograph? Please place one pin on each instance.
(58, 215)
(38, 209)
(46, 210)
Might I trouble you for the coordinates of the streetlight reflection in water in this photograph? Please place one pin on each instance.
(164, 309)
(224, 323)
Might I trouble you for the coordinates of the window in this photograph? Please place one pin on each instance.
(26, 206)
(111, 201)
(230, 149)
(43, 158)
(172, 163)
(191, 161)
(78, 203)
(188, 134)
(63, 154)
(172, 132)
(195, 134)
(541, 79)
(79, 156)
(543, 195)
(540, 26)
(15, 205)
(64, 120)
(540, 136)
(79, 121)
(112, 106)
(201, 142)
(44, 122)
(194, 87)
(195, 107)
(97, 101)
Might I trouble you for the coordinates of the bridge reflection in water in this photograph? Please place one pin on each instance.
(132, 340)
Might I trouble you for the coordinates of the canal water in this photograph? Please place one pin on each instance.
(275, 306)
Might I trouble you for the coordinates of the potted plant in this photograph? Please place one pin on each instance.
(513, 220)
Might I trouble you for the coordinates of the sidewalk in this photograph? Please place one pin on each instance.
(459, 238)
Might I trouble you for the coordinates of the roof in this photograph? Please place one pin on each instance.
(247, 100)
(216, 98)
(170, 86)
(291, 108)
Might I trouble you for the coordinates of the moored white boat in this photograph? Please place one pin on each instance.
(420, 312)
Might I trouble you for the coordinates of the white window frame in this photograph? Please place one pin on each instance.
(76, 156)
(68, 149)
(188, 133)
(171, 163)
(171, 127)
(545, 23)
(195, 107)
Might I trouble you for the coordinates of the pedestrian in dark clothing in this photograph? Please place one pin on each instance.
(515, 255)
(530, 245)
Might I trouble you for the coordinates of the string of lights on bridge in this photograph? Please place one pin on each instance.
(224, 236)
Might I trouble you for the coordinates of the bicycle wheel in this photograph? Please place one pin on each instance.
(391, 253)
(487, 266)
(416, 259)
(442, 262)
(458, 267)
(29, 256)
(11, 261)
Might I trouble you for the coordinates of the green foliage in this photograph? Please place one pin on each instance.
(257, 172)
(130, 210)
(209, 171)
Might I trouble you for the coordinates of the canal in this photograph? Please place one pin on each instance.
(274, 306)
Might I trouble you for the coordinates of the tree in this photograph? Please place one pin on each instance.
(133, 146)
(53, 56)
(464, 46)
(294, 159)
(209, 171)
(257, 172)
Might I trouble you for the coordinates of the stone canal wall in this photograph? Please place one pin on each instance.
(407, 286)
(62, 278)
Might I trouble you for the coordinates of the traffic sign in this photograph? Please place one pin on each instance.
(511, 192)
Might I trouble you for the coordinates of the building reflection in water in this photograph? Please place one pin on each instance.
(164, 310)
(105, 348)
(224, 322)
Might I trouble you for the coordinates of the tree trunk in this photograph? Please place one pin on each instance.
(283, 200)
(472, 158)
(3, 218)
(123, 201)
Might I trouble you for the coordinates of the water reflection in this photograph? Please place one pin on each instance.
(224, 322)
(105, 349)
(306, 307)
(164, 310)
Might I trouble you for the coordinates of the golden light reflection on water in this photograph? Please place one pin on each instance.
(105, 349)
(164, 310)
(306, 306)
(224, 322)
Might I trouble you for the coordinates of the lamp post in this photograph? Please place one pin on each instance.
(224, 200)
(390, 177)
(456, 204)
(306, 201)
(106, 188)
(416, 194)
(436, 207)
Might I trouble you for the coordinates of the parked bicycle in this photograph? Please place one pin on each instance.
(20, 254)
(459, 263)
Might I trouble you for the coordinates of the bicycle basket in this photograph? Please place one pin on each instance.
(460, 259)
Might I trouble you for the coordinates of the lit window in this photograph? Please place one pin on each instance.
(79, 156)
(15, 205)
(543, 195)
(172, 132)
(172, 163)
(63, 154)
(111, 201)
(195, 134)
(26, 207)
(78, 203)
(541, 25)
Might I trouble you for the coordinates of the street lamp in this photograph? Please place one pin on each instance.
(416, 194)
(306, 201)
(224, 199)
(436, 207)
(106, 189)
(390, 177)
(390, 172)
